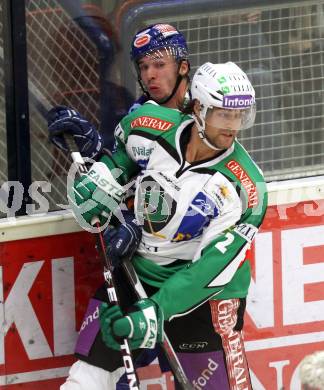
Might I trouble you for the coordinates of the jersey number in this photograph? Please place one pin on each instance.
(222, 245)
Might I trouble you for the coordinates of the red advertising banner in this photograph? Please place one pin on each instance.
(45, 284)
(285, 311)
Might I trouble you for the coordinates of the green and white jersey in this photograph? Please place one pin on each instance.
(199, 219)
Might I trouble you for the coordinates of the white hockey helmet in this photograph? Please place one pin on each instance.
(223, 86)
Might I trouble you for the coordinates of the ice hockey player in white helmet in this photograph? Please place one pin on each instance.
(200, 199)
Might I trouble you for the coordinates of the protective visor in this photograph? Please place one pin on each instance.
(231, 119)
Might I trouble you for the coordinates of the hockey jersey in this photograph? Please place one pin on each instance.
(199, 219)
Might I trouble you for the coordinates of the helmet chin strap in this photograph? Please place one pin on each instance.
(202, 134)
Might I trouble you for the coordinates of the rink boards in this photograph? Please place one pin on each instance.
(49, 268)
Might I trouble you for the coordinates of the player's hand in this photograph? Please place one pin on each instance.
(95, 195)
(62, 120)
(124, 239)
(143, 325)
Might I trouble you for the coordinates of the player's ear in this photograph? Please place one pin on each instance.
(184, 68)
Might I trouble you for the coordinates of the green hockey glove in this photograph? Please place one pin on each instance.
(95, 194)
(143, 326)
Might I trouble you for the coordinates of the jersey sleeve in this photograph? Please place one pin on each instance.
(219, 262)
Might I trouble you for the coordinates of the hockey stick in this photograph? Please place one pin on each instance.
(133, 279)
(166, 344)
(133, 381)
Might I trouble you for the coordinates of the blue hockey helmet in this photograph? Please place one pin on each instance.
(156, 37)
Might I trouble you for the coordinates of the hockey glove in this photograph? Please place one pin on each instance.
(95, 194)
(143, 326)
(62, 119)
(124, 239)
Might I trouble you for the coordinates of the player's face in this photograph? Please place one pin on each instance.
(222, 126)
(159, 75)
